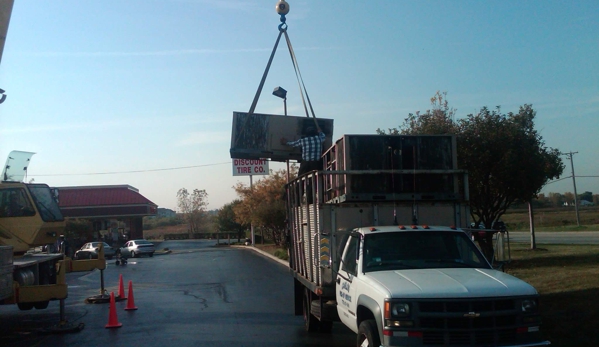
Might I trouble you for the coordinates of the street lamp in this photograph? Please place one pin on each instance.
(281, 93)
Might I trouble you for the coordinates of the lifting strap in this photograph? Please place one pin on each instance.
(300, 81)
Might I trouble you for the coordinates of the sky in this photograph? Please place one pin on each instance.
(142, 92)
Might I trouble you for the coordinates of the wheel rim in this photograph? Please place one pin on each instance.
(364, 339)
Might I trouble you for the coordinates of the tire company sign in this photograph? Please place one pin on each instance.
(248, 167)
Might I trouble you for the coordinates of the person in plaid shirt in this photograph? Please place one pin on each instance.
(311, 145)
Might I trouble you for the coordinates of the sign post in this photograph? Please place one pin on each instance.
(250, 167)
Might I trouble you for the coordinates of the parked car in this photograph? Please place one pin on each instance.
(90, 251)
(134, 248)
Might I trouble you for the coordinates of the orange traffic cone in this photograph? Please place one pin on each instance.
(121, 288)
(130, 300)
(113, 321)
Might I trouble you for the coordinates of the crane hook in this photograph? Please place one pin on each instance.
(282, 8)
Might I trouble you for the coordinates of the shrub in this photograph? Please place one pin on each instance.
(281, 254)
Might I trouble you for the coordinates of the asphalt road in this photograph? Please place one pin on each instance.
(196, 295)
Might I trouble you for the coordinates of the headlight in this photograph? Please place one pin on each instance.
(397, 309)
(529, 305)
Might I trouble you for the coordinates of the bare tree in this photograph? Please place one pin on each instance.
(193, 208)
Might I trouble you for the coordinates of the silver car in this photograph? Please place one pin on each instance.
(90, 251)
(134, 248)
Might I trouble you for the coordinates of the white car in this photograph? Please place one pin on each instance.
(90, 251)
(134, 248)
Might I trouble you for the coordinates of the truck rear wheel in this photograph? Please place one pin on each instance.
(25, 306)
(368, 335)
(41, 305)
(311, 323)
(326, 326)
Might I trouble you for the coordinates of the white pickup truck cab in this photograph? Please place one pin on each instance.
(430, 286)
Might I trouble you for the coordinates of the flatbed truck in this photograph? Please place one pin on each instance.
(379, 241)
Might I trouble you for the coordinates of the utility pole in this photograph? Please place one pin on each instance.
(570, 155)
(252, 224)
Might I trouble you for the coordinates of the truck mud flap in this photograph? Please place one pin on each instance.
(328, 312)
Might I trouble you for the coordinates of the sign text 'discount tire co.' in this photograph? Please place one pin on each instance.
(247, 167)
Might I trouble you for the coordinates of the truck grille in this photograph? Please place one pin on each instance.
(468, 323)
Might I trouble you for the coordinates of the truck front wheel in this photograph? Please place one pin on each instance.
(368, 335)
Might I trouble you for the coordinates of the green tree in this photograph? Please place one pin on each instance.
(506, 158)
(263, 205)
(193, 208)
(557, 199)
(225, 220)
(588, 196)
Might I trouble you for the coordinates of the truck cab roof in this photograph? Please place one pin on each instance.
(406, 228)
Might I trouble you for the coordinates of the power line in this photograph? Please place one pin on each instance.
(565, 178)
(133, 171)
(555, 181)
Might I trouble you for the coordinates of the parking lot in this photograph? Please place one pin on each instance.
(193, 295)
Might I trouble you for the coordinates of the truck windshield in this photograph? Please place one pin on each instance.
(45, 202)
(420, 250)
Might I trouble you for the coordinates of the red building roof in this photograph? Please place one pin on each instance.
(104, 201)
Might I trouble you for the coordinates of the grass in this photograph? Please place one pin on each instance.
(554, 219)
(567, 278)
(275, 250)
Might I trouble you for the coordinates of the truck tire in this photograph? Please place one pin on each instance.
(41, 305)
(25, 306)
(311, 323)
(326, 326)
(368, 335)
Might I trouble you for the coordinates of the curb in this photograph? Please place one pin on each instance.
(266, 254)
(163, 251)
(253, 248)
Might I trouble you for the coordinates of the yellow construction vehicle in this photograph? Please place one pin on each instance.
(30, 219)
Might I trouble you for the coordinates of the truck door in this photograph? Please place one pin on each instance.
(345, 289)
